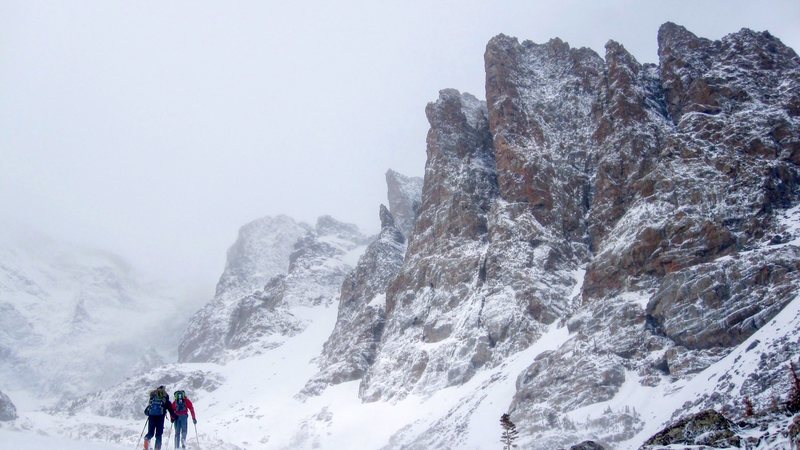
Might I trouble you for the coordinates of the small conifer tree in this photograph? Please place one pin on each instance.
(748, 406)
(775, 405)
(510, 432)
(793, 404)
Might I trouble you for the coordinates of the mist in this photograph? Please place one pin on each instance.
(155, 130)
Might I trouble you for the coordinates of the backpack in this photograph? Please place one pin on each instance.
(180, 401)
(156, 407)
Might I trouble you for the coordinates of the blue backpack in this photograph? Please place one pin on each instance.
(156, 407)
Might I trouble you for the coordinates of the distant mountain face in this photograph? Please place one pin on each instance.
(276, 265)
(75, 319)
(261, 251)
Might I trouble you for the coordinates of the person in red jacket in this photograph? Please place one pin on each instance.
(182, 406)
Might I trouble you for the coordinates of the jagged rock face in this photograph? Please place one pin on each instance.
(444, 258)
(353, 344)
(541, 101)
(404, 194)
(675, 190)
(7, 409)
(727, 76)
(726, 160)
(707, 428)
(318, 266)
(721, 304)
(586, 380)
(262, 251)
(295, 266)
(665, 182)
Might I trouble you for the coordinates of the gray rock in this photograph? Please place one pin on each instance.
(295, 266)
(261, 251)
(720, 304)
(707, 428)
(8, 411)
(666, 182)
(127, 400)
(587, 445)
(405, 196)
(353, 344)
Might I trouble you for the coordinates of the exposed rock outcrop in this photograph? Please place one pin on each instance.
(7, 409)
(353, 344)
(128, 399)
(261, 251)
(587, 445)
(404, 195)
(444, 259)
(706, 428)
(666, 182)
(236, 324)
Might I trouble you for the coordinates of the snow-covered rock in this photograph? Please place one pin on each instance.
(351, 348)
(404, 195)
(640, 205)
(7, 409)
(127, 400)
(275, 265)
(261, 251)
(318, 265)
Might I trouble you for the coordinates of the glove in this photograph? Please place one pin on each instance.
(194, 421)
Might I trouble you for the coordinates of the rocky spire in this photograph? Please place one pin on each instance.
(405, 195)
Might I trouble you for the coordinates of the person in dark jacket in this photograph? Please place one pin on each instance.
(156, 410)
(182, 406)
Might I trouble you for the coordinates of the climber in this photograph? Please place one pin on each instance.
(182, 407)
(157, 408)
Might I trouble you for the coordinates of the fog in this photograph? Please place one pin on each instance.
(156, 129)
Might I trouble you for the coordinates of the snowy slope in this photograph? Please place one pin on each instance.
(75, 318)
(257, 406)
(18, 440)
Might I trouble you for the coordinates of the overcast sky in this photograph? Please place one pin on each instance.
(155, 129)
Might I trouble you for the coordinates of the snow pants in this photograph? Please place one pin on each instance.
(155, 427)
(181, 428)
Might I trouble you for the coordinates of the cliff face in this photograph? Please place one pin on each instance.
(275, 266)
(404, 195)
(643, 206)
(352, 346)
(261, 251)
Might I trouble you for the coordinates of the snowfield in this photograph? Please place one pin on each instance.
(18, 440)
(258, 407)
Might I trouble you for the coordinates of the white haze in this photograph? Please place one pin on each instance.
(155, 129)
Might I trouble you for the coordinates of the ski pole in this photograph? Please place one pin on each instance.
(195, 434)
(169, 433)
(140, 436)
